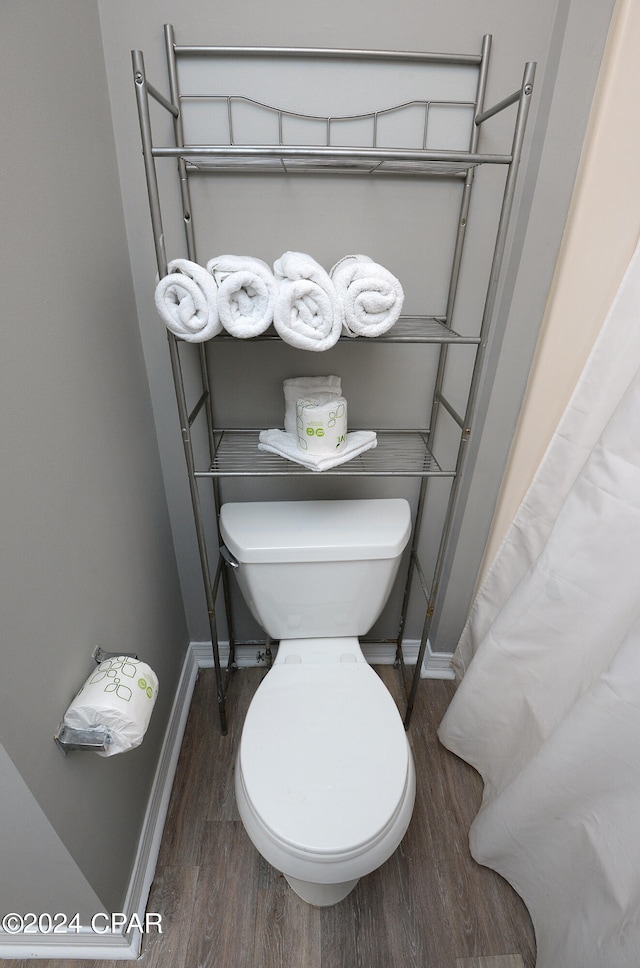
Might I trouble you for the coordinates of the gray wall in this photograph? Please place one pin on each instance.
(565, 84)
(566, 37)
(87, 556)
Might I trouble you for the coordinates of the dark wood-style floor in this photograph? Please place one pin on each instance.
(222, 906)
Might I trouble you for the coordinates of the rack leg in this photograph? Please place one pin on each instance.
(416, 675)
(220, 683)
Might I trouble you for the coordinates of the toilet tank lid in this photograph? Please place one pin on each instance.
(279, 531)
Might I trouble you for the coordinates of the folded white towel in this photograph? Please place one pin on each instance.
(307, 312)
(247, 292)
(186, 300)
(286, 445)
(301, 386)
(370, 295)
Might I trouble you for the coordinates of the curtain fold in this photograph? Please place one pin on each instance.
(548, 710)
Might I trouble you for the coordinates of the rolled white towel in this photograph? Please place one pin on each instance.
(286, 445)
(186, 301)
(307, 311)
(301, 386)
(247, 292)
(370, 295)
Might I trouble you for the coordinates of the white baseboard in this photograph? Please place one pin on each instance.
(436, 665)
(253, 655)
(153, 827)
(84, 943)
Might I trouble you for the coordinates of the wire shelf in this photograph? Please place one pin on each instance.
(303, 159)
(396, 139)
(398, 454)
(291, 165)
(408, 329)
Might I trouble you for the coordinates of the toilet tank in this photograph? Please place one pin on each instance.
(310, 569)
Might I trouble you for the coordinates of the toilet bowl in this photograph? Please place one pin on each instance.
(325, 780)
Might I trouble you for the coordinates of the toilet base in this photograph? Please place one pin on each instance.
(321, 895)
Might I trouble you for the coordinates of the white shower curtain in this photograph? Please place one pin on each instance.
(548, 710)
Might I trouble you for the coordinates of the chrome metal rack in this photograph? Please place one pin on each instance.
(408, 453)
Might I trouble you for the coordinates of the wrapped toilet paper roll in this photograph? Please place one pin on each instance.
(321, 423)
(118, 697)
(299, 386)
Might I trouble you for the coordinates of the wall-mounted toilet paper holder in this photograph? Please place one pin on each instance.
(92, 740)
(95, 740)
(100, 655)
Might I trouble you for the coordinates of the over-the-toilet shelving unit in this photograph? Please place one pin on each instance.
(406, 454)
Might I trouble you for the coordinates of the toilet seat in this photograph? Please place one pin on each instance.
(324, 761)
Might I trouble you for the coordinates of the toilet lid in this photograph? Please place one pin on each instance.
(324, 756)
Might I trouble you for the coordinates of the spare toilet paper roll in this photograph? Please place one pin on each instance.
(118, 697)
(321, 423)
(299, 386)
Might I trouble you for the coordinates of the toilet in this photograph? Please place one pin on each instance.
(324, 779)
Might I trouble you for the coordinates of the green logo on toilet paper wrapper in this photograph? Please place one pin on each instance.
(336, 415)
(146, 688)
